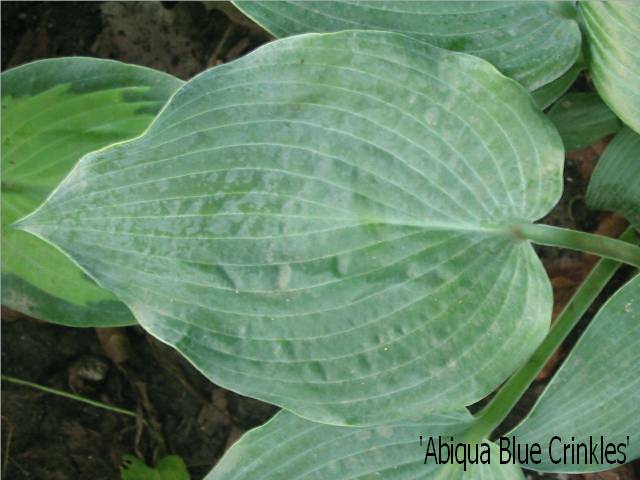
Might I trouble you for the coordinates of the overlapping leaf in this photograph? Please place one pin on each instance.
(614, 55)
(325, 225)
(292, 448)
(533, 42)
(549, 93)
(582, 119)
(595, 393)
(615, 183)
(53, 112)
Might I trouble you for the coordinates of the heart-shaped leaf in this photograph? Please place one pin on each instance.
(614, 59)
(533, 42)
(595, 393)
(53, 112)
(326, 224)
(615, 183)
(292, 448)
(582, 118)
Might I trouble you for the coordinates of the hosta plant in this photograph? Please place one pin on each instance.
(342, 224)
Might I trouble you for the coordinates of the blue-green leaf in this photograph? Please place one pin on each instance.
(326, 224)
(594, 394)
(582, 118)
(533, 42)
(292, 448)
(614, 55)
(549, 93)
(615, 183)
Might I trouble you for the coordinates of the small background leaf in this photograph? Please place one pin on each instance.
(53, 112)
(582, 118)
(614, 62)
(595, 392)
(533, 42)
(615, 183)
(171, 467)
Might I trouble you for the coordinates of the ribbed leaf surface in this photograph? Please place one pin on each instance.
(549, 93)
(325, 224)
(595, 393)
(53, 112)
(292, 448)
(615, 183)
(533, 42)
(582, 118)
(613, 31)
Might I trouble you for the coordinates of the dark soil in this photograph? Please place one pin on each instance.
(53, 438)
(48, 437)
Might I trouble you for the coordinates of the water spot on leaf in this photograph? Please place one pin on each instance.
(385, 431)
(284, 276)
(342, 264)
(431, 116)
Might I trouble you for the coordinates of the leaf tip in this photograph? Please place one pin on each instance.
(26, 223)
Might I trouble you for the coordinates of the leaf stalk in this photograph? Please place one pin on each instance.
(614, 249)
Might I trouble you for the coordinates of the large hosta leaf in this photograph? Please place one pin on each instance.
(325, 225)
(533, 42)
(53, 112)
(595, 393)
(292, 448)
(615, 183)
(582, 119)
(614, 55)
